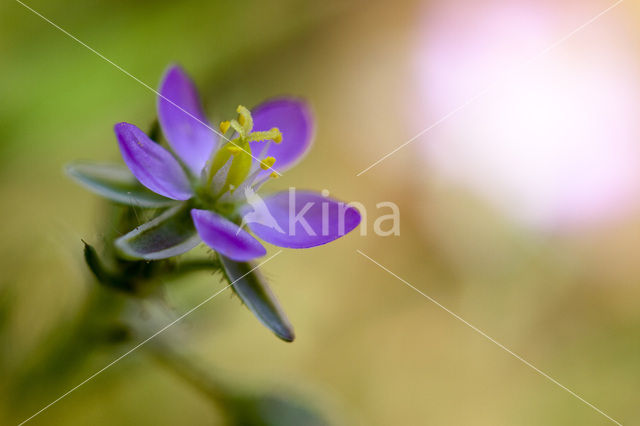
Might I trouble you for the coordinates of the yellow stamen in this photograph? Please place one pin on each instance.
(237, 127)
(238, 151)
(278, 137)
(245, 119)
(270, 135)
(267, 163)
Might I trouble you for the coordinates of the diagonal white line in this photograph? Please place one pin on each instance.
(145, 340)
(139, 81)
(496, 83)
(492, 340)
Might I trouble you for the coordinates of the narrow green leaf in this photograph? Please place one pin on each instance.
(115, 183)
(170, 234)
(254, 291)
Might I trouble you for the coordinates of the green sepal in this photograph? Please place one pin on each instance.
(170, 234)
(116, 183)
(252, 288)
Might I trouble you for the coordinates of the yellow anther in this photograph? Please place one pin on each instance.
(274, 175)
(267, 163)
(244, 118)
(224, 126)
(278, 137)
(269, 135)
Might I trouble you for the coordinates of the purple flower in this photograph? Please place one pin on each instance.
(209, 182)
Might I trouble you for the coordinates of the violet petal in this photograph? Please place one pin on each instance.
(293, 117)
(151, 164)
(301, 219)
(183, 121)
(226, 237)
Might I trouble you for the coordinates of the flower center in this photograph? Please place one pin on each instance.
(233, 163)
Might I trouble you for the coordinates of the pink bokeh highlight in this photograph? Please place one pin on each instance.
(553, 139)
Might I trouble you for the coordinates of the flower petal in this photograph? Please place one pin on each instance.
(151, 164)
(116, 183)
(251, 286)
(226, 237)
(170, 234)
(183, 121)
(293, 117)
(300, 219)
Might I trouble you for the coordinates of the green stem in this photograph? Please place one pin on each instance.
(186, 368)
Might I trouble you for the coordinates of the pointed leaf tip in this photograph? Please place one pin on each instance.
(253, 290)
(100, 271)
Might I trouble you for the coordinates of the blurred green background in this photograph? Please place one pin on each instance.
(369, 350)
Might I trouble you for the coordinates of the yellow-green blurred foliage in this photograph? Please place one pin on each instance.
(369, 350)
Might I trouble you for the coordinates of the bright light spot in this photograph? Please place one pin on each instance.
(553, 143)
